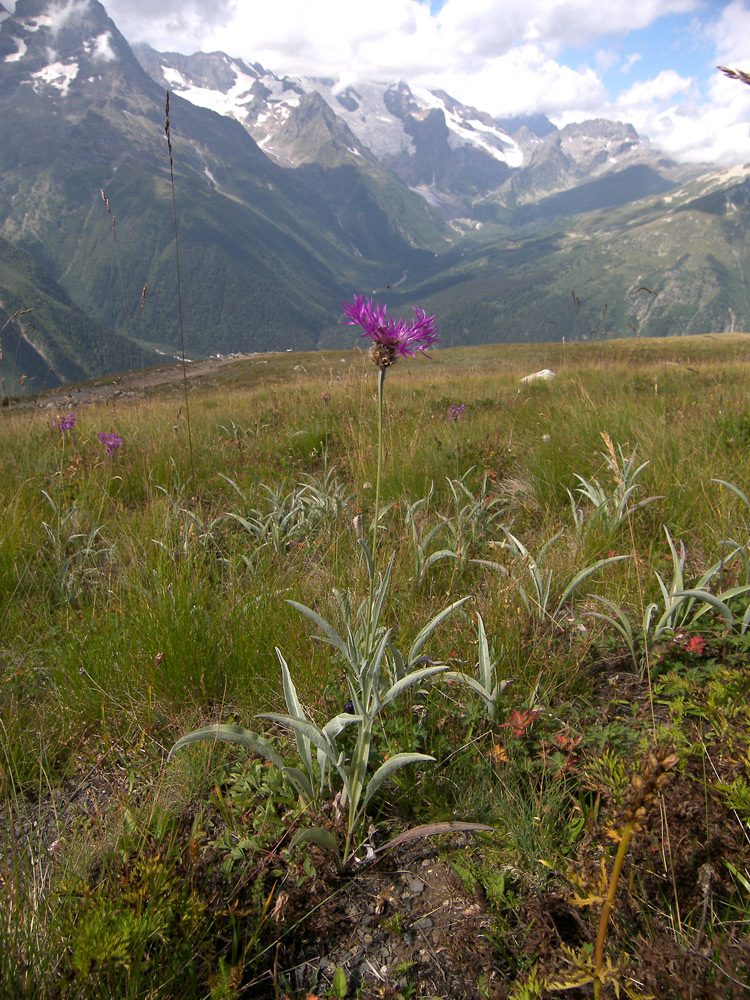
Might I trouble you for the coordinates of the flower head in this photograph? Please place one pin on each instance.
(111, 442)
(696, 644)
(65, 423)
(454, 412)
(391, 337)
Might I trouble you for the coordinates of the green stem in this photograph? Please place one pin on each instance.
(381, 380)
(625, 835)
(373, 579)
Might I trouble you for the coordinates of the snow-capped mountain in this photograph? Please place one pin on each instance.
(452, 155)
(269, 253)
(382, 115)
(442, 149)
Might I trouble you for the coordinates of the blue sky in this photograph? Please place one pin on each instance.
(674, 41)
(648, 62)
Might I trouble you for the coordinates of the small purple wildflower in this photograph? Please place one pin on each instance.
(454, 412)
(391, 337)
(111, 442)
(65, 423)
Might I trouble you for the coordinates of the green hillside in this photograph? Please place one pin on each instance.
(55, 341)
(668, 265)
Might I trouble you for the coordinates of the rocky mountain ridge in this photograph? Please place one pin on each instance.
(447, 152)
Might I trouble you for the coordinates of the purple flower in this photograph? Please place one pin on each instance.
(454, 412)
(391, 337)
(65, 423)
(111, 442)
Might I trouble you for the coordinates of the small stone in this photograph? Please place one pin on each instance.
(367, 938)
(416, 885)
(424, 924)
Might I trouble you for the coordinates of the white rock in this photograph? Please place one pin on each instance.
(545, 375)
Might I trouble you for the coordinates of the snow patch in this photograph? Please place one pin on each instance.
(35, 23)
(431, 198)
(472, 132)
(59, 75)
(234, 103)
(17, 56)
(173, 77)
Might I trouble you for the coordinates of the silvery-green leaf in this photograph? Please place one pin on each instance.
(490, 564)
(232, 734)
(294, 707)
(430, 627)
(301, 782)
(371, 674)
(331, 635)
(368, 559)
(548, 544)
(476, 686)
(717, 567)
(332, 728)
(484, 666)
(648, 615)
(409, 681)
(250, 528)
(581, 577)
(663, 587)
(302, 726)
(708, 598)
(735, 489)
(388, 767)
(678, 563)
(316, 835)
(234, 486)
(724, 596)
(380, 593)
(436, 557)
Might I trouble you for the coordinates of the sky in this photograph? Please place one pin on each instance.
(648, 62)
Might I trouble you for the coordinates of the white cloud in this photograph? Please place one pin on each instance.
(62, 14)
(630, 62)
(730, 33)
(552, 24)
(102, 49)
(525, 80)
(647, 93)
(171, 25)
(503, 56)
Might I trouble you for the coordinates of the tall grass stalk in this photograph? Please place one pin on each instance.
(105, 199)
(168, 133)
